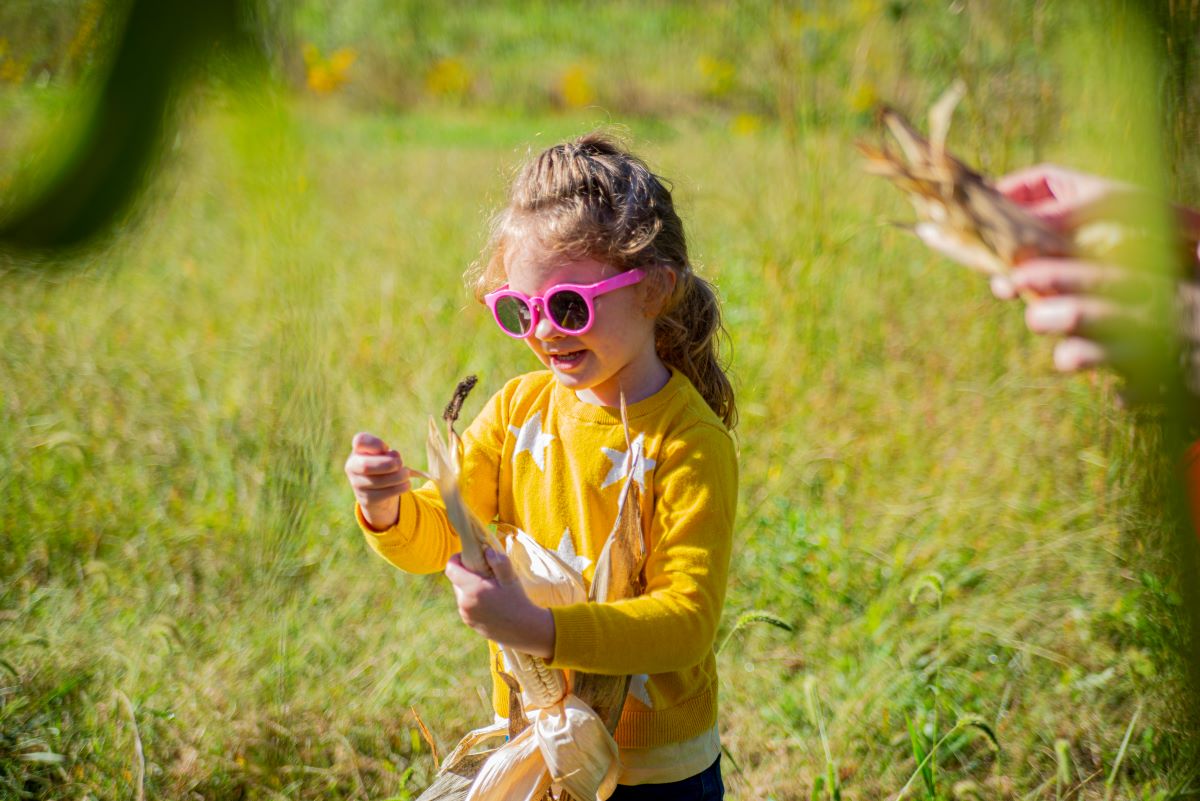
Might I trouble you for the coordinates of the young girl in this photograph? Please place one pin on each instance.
(589, 267)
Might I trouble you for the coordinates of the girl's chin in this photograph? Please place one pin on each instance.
(577, 380)
(570, 378)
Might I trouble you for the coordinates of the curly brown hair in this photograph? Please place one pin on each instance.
(591, 198)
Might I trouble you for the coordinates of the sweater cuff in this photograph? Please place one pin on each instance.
(576, 637)
(394, 536)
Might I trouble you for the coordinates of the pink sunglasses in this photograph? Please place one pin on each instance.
(568, 307)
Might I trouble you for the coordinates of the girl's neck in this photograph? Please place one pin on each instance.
(639, 380)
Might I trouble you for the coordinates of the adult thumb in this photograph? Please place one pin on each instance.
(501, 566)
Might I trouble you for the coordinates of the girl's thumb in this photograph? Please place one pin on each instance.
(501, 567)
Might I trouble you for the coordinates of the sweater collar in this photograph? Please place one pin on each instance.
(570, 404)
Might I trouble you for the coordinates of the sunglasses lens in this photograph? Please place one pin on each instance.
(568, 310)
(513, 315)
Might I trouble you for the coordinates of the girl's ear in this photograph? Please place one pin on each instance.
(657, 289)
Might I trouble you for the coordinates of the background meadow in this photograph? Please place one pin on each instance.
(955, 534)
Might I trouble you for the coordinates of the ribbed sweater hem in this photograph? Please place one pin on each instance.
(646, 728)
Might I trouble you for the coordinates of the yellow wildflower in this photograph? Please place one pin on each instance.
(863, 96)
(323, 75)
(746, 124)
(575, 87)
(449, 77)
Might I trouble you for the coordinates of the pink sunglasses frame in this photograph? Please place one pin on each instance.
(537, 305)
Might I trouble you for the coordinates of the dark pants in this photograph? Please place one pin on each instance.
(704, 786)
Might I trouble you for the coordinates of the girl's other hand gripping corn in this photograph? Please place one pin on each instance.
(497, 607)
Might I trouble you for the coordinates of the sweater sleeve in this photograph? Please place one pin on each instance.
(672, 625)
(422, 540)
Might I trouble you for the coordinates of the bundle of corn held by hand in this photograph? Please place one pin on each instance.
(560, 726)
(957, 207)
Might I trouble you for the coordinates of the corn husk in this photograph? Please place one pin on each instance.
(445, 460)
(546, 578)
(956, 206)
(618, 575)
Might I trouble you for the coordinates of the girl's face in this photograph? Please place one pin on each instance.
(616, 353)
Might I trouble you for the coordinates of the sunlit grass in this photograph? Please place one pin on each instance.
(180, 532)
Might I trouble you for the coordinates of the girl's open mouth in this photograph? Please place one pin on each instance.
(565, 361)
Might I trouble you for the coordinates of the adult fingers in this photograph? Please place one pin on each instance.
(1002, 287)
(1069, 277)
(1078, 316)
(1055, 195)
(368, 444)
(1143, 364)
(1028, 185)
(1061, 215)
(1077, 353)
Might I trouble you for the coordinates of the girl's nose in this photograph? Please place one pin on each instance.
(544, 330)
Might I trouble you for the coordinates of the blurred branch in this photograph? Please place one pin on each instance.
(153, 56)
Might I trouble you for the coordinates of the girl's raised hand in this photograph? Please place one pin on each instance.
(378, 477)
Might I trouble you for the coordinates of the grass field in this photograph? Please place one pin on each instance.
(187, 609)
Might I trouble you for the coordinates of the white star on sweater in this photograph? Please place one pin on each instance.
(530, 437)
(637, 688)
(619, 458)
(566, 550)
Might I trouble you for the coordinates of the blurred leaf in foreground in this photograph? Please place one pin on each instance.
(153, 54)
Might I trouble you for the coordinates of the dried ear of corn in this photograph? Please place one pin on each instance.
(444, 462)
(962, 209)
(618, 575)
(459, 769)
(567, 745)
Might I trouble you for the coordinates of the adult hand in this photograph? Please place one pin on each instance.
(1108, 316)
(1065, 199)
(378, 477)
(1061, 198)
(497, 607)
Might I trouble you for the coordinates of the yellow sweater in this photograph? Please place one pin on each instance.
(550, 464)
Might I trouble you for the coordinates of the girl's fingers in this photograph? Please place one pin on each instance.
(378, 465)
(456, 572)
(375, 465)
(394, 481)
(501, 567)
(365, 443)
(462, 576)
